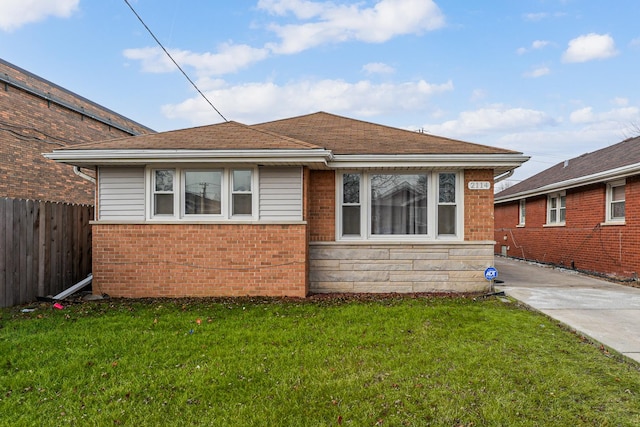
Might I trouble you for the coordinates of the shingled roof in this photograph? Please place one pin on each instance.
(606, 163)
(321, 140)
(344, 135)
(223, 136)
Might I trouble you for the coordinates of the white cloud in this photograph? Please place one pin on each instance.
(478, 95)
(620, 102)
(254, 102)
(229, 58)
(535, 45)
(495, 118)
(590, 47)
(378, 68)
(613, 118)
(16, 13)
(332, 23)
(538, 72)
(535, 16)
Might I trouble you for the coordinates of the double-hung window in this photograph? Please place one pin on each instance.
(163, 188)
(616, 201)
(556, 208)
(522, 212)
(351, 204)
(202, 194)
(399, 205)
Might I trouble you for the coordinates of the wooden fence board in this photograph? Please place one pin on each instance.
(45, 248)
(3, 251)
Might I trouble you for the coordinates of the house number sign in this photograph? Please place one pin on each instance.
(479, 185)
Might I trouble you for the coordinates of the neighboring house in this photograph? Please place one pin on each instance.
(37, 116)
(316, 203)
(583, 213)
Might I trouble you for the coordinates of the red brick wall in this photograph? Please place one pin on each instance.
(322, 206)
(176, 260)
(30, 126)
(583, 243)
(478, 206)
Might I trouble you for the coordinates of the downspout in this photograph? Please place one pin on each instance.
(502, 177)
(77, 171)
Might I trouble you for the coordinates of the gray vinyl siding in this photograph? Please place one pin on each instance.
(280, 194)
(121, 194)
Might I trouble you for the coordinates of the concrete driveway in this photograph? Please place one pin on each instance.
(606, 312)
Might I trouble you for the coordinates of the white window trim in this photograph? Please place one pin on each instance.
(178, 199)
(432, 208)
(610, 186)
(557, 196)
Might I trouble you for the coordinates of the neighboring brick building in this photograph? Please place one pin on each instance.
(37, 116)
(583, 213)
(317, 203)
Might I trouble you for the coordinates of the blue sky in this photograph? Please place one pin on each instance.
(551, 78)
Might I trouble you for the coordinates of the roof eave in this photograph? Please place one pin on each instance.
(501, 163)
(609, 175)
(136, 157)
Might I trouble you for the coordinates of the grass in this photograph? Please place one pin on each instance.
(394, 361)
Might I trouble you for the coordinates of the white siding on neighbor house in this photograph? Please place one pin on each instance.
(121, 194)
(280, 194)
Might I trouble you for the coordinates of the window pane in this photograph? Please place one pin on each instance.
(351, 220)
(202, 192)
(351, 188)
(163, 204)
(552, 216)
(617, 210)
(242, 204)
(563, 201)
(554, 202)
(563, 213)
(398, 204)
(241, 181)
(447, 188)
(164, 180)
(446, 219)
(617, 193)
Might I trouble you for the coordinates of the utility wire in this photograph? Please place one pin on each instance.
(174, 61)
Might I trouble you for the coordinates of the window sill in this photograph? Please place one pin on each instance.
(610, 223)
(520, 226)
(560, 224)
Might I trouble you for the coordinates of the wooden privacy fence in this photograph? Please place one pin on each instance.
(45, 248)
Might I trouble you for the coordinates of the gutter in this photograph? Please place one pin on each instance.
(78, 171)
(502, 177)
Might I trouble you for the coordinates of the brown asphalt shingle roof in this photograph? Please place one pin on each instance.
(223, 136)
(624, 153)
(341, 135)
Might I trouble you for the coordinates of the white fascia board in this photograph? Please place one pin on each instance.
(610, 175)
(129, 157)
(497, 161)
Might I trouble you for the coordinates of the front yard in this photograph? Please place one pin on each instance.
(366, 361)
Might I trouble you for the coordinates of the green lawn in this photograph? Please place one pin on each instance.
(367, 361)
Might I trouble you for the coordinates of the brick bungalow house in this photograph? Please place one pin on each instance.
(310, 204)
(583, 213)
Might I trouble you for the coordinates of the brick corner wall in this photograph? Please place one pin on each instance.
(478, 207)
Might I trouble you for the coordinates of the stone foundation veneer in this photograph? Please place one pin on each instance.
(403, 268)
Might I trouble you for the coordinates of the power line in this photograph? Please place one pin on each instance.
(174, 61)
